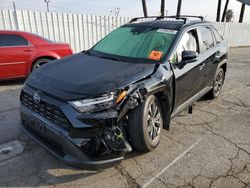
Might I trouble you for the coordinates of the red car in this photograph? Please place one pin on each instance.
(22, 52)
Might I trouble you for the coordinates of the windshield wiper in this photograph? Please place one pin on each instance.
(89, 52)
(112, 58)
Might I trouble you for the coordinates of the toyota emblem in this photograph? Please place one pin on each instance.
(36, 98)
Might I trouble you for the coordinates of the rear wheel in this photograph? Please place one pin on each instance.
(38, 63)
(145, 125)
(217, 85)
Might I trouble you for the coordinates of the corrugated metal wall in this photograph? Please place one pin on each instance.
(237, 34)
(82, 31)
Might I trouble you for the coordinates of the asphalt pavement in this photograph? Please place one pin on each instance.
(210, 148)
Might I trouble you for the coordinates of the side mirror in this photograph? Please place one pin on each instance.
(189, 56)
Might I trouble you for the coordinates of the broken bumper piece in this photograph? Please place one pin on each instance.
(94, 149)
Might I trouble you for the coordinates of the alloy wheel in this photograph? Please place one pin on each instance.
(154, 122)
(218, 82)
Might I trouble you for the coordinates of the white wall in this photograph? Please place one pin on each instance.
(237, 34)
(82, 31)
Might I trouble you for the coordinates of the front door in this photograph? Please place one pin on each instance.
(188, 77)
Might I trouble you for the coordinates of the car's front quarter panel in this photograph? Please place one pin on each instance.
(160, 84)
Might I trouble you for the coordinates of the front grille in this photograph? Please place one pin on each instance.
(45, 109)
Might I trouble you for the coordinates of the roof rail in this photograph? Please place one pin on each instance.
(191, 16)
(181, 17)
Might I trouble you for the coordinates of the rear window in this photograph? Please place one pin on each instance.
(206, 38)
(12, 40)
(218, 37)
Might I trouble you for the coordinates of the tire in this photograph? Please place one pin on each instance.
(39, 63)
(145, 131)
(217, 84)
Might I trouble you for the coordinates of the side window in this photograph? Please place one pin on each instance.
(12, 40)
(188, 42)
(206, 38)
(217, 35)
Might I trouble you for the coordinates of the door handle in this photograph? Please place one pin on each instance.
(28, 50)
(201, 66)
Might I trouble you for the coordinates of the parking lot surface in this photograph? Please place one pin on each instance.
(210, 148)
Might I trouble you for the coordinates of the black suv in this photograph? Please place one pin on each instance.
(92, 108)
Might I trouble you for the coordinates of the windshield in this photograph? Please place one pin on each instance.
(137, 43)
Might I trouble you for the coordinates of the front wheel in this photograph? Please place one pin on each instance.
(145, 125)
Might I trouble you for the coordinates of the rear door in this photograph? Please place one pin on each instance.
(208, 54)
(189, 77)
(220, 47)
(15, 53)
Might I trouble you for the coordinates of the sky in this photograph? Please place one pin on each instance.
(131, 8)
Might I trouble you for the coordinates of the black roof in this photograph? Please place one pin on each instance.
(175, 25)
(169, 22)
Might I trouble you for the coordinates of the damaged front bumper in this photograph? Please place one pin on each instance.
(92, 141)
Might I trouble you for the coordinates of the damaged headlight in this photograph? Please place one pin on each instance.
(98, 104)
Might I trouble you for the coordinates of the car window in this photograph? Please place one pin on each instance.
(12, 40)
(206, 38)
(188, 42)
(217, 35)
(137, 43)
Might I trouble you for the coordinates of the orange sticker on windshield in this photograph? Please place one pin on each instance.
(155, 55)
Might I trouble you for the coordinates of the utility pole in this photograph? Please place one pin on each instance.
(117, 11)
(218, 11)
(178, 12)
(225, 11)
(242, 11)
(144, 7)
(15, 16)
(14, 6)
(47, 2)
(162, 7)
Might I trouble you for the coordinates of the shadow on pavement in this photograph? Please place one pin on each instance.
(12, 82)
(36, 167)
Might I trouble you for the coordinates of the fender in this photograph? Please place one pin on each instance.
(222, 63)
(160, 85)
(48, 54)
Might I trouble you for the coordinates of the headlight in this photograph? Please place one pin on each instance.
(98, 104)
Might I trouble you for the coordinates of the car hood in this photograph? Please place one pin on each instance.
(81, 76)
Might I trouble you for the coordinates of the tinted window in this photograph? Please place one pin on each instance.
(217, 35)
(189, 42)
(12, 40)
(206, 38)
(136, 43)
